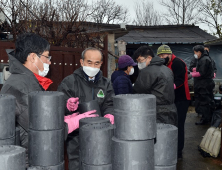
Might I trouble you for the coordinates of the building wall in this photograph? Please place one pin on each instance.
(111, 59)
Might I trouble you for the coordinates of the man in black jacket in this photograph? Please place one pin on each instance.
(86, 84)
(182, 94)
(204, 84)
(28, 65)
(155, 78)
(193, 62)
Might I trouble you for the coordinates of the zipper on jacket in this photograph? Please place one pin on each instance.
(93, 93)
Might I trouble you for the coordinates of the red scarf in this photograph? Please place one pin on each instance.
(43, 81)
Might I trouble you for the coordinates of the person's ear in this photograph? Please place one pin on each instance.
(81, 62)
(31, 57)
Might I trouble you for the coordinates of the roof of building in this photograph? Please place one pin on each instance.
(165, 34)
(214, 42)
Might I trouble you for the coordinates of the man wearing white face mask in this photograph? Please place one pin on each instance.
(155, 78)
(204, 84)
(120, 78)
(28, 65)
(84, 85)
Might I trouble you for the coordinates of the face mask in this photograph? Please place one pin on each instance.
(166, 60)
(90, 71)
(142, 65)
(45, 70)
(195, 56)
(131, 71)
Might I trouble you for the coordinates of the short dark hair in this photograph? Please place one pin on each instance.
(143, 51)
(207, 46)
(29, 43)
(199, 48)
(91, 48)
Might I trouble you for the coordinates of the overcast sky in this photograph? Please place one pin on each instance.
(131, 3)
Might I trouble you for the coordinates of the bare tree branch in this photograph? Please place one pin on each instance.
(181, 11)
(212, 15)
(146, 15)
(107, 11)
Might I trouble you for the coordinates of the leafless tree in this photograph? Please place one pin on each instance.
(107, 11)
(146, 15)
(181, 11)
(61, 22)
(211, 11)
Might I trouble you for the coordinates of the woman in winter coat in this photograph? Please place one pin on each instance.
(121, 78)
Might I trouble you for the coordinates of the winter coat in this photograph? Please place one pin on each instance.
(193, 63)
(204, 84)
(158, 80)
(77, 85)
(180, 73)
(21, 82)
(121, 82)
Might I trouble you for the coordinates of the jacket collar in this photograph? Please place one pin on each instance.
(156, 61)
(16, 67)
(43, 81)
(171, 62)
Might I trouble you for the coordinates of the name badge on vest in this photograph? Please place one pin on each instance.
(100, 94)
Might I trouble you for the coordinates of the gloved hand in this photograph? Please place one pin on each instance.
(73, 121)
(72, 104)
(69, 116)
(194, 69)
(214, 76)
(110, 117)
(195, 74)
(174, 86)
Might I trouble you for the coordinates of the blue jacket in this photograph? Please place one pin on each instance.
(121, 82)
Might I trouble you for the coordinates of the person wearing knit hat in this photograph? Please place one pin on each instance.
(181, 88)
(121, 78)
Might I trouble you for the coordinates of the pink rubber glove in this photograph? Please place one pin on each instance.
(214, 76)
(194, 69)
(195, 74)
(73, 121)
(110, 117)
(69, 116)
(72, 104)
(174, 86)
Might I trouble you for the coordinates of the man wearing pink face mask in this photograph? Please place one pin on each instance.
(84, 85)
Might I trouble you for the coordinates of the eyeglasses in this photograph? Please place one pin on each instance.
(140, 61)
(48, 57)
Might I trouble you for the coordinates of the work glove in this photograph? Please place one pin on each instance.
(72, 104)
(174, 86)
(73, 121)
(69, 116)
(195, 74)
(110, 117)
(194, 69)
(214, 76)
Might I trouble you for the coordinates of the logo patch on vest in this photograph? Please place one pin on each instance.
(100, 94)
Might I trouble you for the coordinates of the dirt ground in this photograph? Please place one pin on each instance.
(192, 159)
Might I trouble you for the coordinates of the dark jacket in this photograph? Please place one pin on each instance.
(193, 63)
(180, 73)
(158, 80)
(121, 82)
(77, 85)
(204, 84)
(20, 83)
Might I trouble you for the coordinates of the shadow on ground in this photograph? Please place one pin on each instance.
(192, 159)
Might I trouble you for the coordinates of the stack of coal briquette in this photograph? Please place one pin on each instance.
(166, 147)
(133, 141)
(46, 130)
